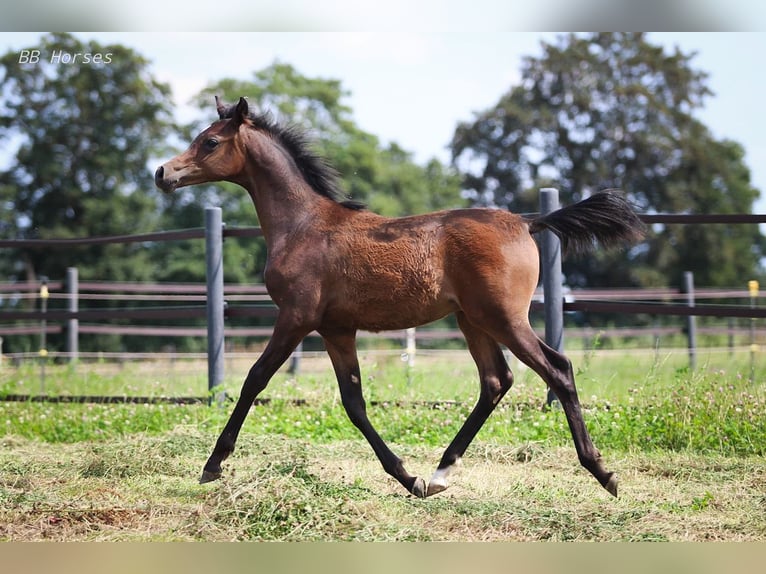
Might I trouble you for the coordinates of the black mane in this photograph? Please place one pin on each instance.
(316, 170)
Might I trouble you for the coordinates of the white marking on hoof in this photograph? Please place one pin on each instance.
(611, 485)
(419, 488)
(438, 481)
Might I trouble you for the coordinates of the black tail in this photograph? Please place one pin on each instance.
(605, 217)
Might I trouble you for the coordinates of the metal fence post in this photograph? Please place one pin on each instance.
(550, 260)
(295, 360)
(215, 302)
(73, 325)
(691, 320)
(43, 352)
(410, 348)
(753, 287)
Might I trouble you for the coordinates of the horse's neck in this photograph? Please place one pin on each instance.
(276, 191)
(284, 201)
(283, 210)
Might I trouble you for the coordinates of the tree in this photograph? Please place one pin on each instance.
(385, 177)
(612, 110)
(81, 123)
(85, 130)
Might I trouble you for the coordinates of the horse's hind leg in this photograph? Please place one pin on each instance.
(342, 351)
(495, 377)
(556, 370)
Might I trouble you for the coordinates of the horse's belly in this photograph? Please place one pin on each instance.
(393, 319)
(385, 310)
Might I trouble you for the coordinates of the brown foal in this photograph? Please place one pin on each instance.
(335, 268)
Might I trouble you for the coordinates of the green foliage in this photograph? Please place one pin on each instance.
(611, 110)
(84, 134)
(700, 413)
(81, 138)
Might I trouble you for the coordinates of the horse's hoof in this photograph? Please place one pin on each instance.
(611, 485)
(419, 488)
(438, 482)
(435, 487)
(208, 476)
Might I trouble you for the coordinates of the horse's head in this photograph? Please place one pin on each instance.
(216, 154)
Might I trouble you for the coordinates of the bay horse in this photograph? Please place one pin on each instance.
(335, 268)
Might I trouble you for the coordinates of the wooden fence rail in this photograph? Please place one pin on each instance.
(651, 302)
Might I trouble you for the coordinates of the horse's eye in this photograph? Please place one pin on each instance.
(211, 143)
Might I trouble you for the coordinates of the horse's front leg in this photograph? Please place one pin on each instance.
(342, 351)
(287, 334)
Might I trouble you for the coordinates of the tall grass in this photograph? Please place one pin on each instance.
(628, 405)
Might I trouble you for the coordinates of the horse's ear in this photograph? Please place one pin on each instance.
(221, 108)
(241, 113)
(238, 112)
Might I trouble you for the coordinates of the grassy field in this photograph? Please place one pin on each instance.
(688, 447)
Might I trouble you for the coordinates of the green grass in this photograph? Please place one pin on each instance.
(688, 447)
(710, 410)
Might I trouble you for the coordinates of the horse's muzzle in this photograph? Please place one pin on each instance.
(166, 185)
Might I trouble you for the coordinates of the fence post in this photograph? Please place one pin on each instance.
(215, 302)
(753, 288)
(550, 259)
(295, 359)
(691, 321)
(410, 346)
(43, 352)
(73, 325)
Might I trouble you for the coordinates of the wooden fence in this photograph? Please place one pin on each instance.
(192, 297)
(221, 302)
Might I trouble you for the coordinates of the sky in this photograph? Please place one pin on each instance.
(414, 87)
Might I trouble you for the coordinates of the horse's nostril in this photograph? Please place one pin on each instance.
(159, 174)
